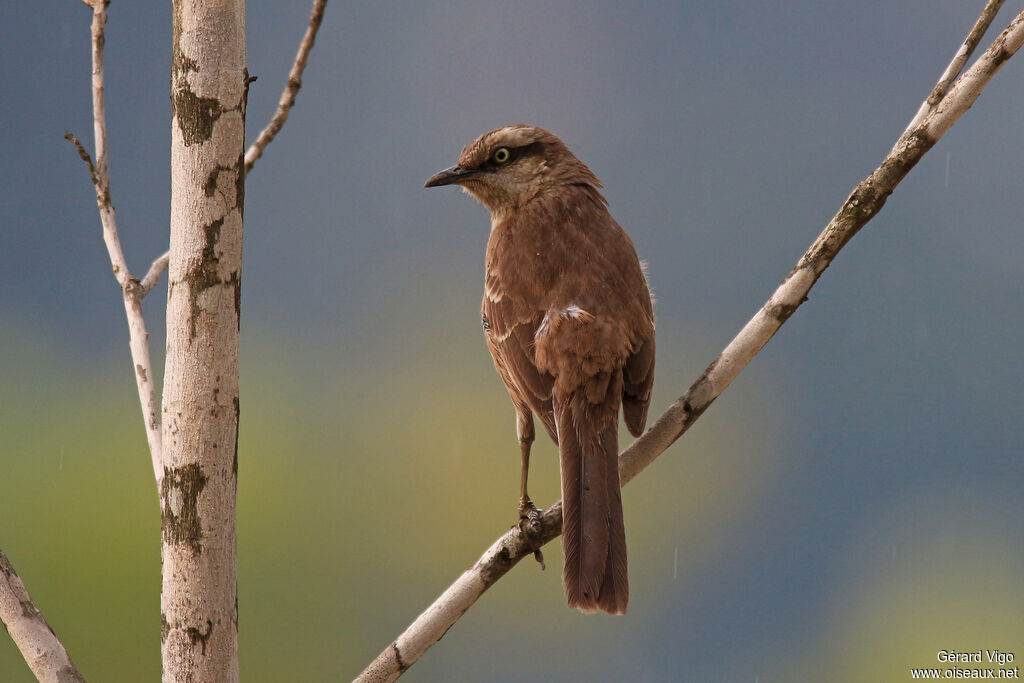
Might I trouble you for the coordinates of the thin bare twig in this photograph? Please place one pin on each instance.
(291, 90)
(153, 275)
(866, 200)
(39, 645)
(132, 290)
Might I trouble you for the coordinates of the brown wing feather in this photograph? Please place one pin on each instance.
(638, 379)
(510, 343)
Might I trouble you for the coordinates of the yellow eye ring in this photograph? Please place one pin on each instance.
(501, 155)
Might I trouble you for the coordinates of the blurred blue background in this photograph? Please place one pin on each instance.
(853, 504)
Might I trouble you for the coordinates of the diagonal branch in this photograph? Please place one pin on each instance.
(291, 90)
(39, 645)
(132, 290)
(866, 200)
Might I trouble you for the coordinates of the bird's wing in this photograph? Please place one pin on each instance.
(637, 308)
(637, 381)
(510, 339)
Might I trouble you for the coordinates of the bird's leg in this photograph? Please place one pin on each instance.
(529, 515)
(526, 506)
(524, 430)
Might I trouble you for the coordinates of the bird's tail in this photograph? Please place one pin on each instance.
(593, 534)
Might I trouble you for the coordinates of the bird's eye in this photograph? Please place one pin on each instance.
(501, 155)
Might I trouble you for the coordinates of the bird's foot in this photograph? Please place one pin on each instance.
(530, 525)
(527, 510)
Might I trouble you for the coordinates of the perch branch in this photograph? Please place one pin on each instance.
(132, 290)
(39, 645)
(291, 90)
(866, 200)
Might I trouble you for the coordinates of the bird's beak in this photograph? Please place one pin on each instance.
(449, 176)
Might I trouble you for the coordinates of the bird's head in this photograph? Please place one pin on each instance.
(509, 166)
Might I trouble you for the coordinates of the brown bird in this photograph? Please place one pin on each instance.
(568, 319)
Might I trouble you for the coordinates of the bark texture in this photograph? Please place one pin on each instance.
(199, 612)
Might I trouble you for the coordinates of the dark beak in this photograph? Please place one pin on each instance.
(449, 176)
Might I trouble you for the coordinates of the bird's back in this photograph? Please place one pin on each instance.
(562, 271)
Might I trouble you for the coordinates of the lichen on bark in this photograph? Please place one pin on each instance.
(179, 499)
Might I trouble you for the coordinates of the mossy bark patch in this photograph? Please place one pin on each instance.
(203, 275)
(196, 636)
(782, 312)
(195, 115)
(179, 498)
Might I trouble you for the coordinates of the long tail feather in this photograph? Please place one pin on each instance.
(593, 534)
(615, 584)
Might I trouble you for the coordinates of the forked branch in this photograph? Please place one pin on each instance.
(866, 200)
(958, 62)
(132, 290)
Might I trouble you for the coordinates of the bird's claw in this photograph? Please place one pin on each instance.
(529, 519)
(527, 510)
(539, 556)
(530, 525)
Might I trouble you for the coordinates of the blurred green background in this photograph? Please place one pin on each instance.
(852, 505)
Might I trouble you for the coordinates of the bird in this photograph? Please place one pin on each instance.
(568, 318)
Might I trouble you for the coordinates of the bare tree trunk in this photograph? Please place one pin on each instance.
(199, 608)
(197, 475)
